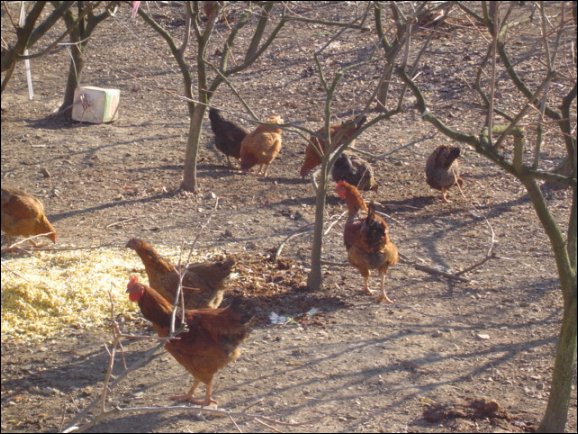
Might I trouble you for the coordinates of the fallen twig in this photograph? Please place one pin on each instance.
(51, 248)
(334, 222)
(235, 423)
(432, 270)
(490, 253)
(308, 229)
(119, 410)
(124, 220)
(336, 264)
(286, 240)
(14, 272)
(389, 217)
(142, 361)
(30, 239)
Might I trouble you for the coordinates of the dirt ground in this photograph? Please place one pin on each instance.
(423, 364)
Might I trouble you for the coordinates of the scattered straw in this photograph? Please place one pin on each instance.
(49, 292)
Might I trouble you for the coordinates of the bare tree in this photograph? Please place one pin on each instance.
(544, 107)
(25, 36)
(205, 86)
(80, 29)
(388, 97)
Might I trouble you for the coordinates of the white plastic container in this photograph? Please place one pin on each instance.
(95, 104)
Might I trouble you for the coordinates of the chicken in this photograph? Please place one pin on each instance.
(355, 171)
(210, 342)
(228, 136)
(203, 283)
(23, 214)
(261, 146)
(367, 241)
(340, 133)
(442, 169)
(211, 9)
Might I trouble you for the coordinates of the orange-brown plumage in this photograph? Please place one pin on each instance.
(367, 240)
(442, 169)
(210, 342)
(211, 9)
(262, 146)
(340, 133)
(351, 196)
(203, 283)
(23, 214)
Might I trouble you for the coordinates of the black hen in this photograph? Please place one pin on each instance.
(355, 171)
(228, 136)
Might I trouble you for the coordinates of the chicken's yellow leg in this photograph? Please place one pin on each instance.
(383, 296)
(189, 395)
(266, 170)
(445, 195)
(208, 395)
(366, 284)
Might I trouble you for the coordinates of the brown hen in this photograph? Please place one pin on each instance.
(203, 283)
(23, 214)
(210, 342)
(340, 133)
(367, 240)
(261, 146)
(442, 169)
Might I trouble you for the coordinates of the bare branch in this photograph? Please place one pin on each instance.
(431, 270)
(329, 23)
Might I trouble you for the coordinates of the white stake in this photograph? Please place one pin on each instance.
(26, 61)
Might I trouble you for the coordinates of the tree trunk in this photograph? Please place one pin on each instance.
(315, 278)
(82, 28)
(564, 368)
(189, 182)
(74, 73)
(556, 415)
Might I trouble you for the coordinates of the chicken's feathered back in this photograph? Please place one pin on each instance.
(442, 169)
(262, 145)
(355, 171)
(340, 133)
(373, 231)
(367, 241)
(203, 283)
(210, 342)
(22, 214)
(228, 135)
